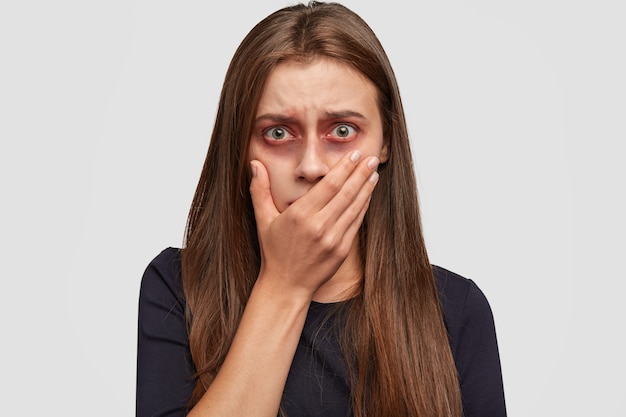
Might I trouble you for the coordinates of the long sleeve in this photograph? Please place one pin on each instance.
(164, 367)
(472, 334)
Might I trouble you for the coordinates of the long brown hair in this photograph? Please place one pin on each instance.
(395, 340)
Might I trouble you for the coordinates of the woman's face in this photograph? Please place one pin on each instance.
(309, 116)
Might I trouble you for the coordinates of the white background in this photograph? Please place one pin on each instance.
(517, 116)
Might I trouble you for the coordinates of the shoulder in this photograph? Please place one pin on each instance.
(161, 282)
(164, 267)
(456, 293)
(165, 263)
(463, 304)
(473, 342)
(165, 371)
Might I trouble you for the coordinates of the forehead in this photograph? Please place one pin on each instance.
(322, 83)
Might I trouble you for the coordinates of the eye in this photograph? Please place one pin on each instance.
(343, 131)
(276, 133)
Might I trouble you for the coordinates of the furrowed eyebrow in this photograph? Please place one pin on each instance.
(344, 114)
(277, 118)
(330, 115)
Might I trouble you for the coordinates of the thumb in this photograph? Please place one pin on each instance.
(264, 209)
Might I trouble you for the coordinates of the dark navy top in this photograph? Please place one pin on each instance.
(317, 384)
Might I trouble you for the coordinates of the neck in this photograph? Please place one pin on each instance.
(345, 283)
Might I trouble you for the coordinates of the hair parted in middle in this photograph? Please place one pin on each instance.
(394, 340)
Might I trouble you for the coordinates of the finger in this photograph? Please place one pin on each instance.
(353, 229)
(264, 208)
(320, 194)
(355, 191)
(348, 234)
(344, 218)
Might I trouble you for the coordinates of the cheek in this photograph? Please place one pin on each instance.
(253, 151)
(374, 145)
(279, 189)
(269, 154)
(280, 173)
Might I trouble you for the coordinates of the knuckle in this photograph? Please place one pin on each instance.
(252, 187)
(298, 219)
(317, 231)
(353, 211)
(350, 191)
(328, 242)
(333, 184)
(344, 249)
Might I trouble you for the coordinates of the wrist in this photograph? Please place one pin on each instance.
(269, 287)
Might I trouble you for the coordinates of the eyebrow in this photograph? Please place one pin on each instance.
(344, 114)
(329, 115)
(278, 118)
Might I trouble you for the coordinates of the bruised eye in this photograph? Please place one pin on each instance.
(276, 133)
(343, 131)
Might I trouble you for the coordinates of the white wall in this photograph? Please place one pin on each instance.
(516, 113)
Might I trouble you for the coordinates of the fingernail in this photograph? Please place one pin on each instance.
(355, 156)
(373, 178)
(372, 163)
(253, 169)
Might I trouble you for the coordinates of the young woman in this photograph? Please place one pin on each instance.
(304, 287)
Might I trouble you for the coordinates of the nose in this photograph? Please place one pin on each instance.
(312, 165)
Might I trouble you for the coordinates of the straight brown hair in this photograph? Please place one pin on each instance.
(395, 340)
